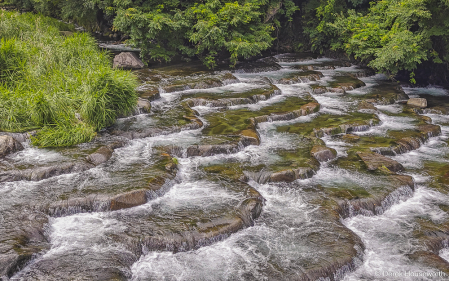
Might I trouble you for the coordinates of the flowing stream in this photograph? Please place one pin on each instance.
(221, 180)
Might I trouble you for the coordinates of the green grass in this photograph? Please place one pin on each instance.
(63, 86)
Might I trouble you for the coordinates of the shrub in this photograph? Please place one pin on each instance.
(62, 85)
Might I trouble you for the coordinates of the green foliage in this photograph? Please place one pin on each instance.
(63, 86)
(393, 35)
(164, 29)
(202, 29)
(388, 35)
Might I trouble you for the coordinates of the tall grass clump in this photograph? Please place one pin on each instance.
(61, 85)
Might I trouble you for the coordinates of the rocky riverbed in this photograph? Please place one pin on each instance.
(286, 168)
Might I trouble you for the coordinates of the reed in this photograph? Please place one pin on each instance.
(59, 83)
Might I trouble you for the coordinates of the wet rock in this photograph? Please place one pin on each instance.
(229, 78)
(224, 102)
(295, 57)
(337, 90)
(432, 260)
(23, 237)
(323, 153)
(350, 138)
(304, 77)
(399, 187)
(100, 156)
(319, 90)
(128, 200)
(41, 173)
(197, 82)
(250, 136)
(219, 102)
(260, 65)
(417, 102)
(143, 105)
(429, 130)
(362, 72)
(80, 265)
(128, 60)
(292, 174)
(250, 209)
(346, 128)
(147, 235)
(9, 145)
(195, 123)
(366, 107)
(426, 119)
(209, 150)
(407, 144)
(151, 95)
(304, 110)
(20, 137)
(171, 167)
(374, 161)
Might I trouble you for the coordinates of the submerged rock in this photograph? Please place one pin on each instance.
(417, 102)
(375, 161)
(9, 145)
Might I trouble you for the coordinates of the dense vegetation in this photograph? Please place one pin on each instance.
(388, 35)
(62, 85)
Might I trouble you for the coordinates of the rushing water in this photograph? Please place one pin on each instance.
(303, 232)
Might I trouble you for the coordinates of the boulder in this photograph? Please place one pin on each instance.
(9, 145)
(375, 161)
(417, 102)
(100, 156)
(323, 153)
(128, 60)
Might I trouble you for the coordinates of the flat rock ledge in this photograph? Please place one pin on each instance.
(101, 155)
(247, 211)
(407, 144)
(374, 161)
(304, 110)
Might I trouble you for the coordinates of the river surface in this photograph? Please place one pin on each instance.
(219, 181)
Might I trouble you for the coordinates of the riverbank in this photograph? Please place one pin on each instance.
(57, 82)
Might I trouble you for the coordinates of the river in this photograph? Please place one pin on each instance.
(219, 181)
